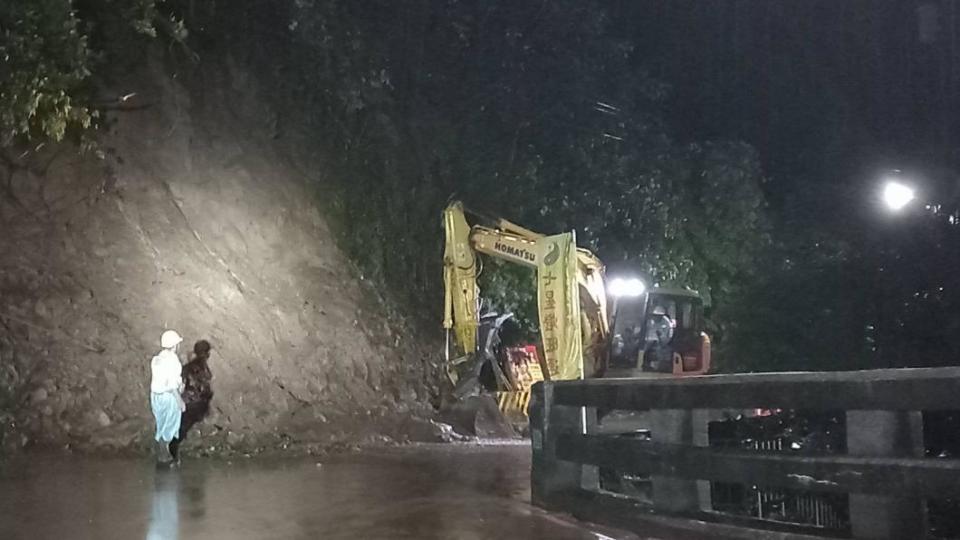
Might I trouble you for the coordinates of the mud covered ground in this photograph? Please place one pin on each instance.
(185, 215)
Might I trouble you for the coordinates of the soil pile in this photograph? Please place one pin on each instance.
(191, 220)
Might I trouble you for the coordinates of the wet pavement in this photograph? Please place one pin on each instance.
(433, 491)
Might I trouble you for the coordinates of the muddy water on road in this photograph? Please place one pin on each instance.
(442, 491)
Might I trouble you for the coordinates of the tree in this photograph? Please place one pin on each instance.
(51, 49)
(44, 60)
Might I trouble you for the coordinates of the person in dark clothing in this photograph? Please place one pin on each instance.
(659, 350)
(197, 391)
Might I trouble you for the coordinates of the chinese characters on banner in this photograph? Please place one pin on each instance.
(559, 305)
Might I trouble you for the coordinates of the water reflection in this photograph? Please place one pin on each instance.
(164, 507)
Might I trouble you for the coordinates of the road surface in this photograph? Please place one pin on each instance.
(434, 491)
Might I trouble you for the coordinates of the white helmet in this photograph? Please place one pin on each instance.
(170, 339)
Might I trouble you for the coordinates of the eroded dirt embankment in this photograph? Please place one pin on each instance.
(193, 221)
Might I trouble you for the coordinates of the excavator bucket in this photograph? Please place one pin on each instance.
(471, 411)
(500, 414)
(478, 416)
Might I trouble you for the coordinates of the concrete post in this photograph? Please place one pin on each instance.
(886, 434)
(590, 476)
(549, 475)
(678, 426)
(701, 437)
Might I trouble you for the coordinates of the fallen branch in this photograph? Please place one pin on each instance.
(121, 103)
(124, 108)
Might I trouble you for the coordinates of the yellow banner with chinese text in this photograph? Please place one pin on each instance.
(559, 306)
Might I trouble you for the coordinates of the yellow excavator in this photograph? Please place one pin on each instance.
(637, 332)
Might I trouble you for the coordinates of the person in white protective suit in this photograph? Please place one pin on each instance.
(165, 388)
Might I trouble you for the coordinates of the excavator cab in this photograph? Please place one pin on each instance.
(658, 331)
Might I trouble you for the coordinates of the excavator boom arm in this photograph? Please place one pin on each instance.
(461, 294)
(571, 294)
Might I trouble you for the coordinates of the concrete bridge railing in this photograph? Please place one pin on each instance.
(884, 473)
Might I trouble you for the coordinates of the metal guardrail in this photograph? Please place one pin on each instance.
(883, 474)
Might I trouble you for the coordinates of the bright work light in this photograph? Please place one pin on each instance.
(626, 287)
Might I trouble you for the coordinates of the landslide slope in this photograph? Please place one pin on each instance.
(192, 220)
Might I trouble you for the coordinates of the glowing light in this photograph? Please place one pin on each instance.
(897, 195)
(629, 287)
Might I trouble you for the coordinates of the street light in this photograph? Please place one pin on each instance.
(897, 195)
